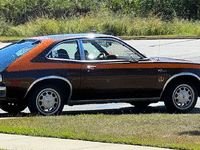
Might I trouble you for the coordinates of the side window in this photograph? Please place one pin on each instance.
(107, 49)
(90, 51)
(66, 50)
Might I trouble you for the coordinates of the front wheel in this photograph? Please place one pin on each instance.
(181, 97)
(46, 100)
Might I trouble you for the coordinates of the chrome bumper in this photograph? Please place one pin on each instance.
(2, 91)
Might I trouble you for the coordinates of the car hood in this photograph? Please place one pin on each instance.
(164, 59)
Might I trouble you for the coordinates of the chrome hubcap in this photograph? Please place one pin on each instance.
(183, 96)
(48, 101)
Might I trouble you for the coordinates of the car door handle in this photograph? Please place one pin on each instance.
(91, 67)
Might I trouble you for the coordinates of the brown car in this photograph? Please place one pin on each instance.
(45, 73)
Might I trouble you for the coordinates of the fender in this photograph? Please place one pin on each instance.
(50, 77)
(178, 75)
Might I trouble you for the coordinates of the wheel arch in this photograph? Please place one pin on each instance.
(193, 78)
(54, 80)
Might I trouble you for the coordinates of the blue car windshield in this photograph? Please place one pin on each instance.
(14, 51)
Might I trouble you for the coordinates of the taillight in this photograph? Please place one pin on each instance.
(0, 79)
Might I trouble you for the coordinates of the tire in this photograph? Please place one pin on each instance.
(46, 100)
(181, 97)
(140, 104)
(15, 107)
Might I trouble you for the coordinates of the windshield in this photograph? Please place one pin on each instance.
(14, 51)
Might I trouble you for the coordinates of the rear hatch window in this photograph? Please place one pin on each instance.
(14, 51)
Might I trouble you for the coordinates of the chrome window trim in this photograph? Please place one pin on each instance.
(76, 40)
(50, 77)
(60, 59)
(81, 49)
(106, 61)
(88, 61)
(178, 75)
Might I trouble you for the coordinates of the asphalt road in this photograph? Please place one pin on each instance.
(188, 49)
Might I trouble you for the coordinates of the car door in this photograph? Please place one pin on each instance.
(112, 70)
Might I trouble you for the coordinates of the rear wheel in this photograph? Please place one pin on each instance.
(14, 107)
(181, 97)
(47, 100)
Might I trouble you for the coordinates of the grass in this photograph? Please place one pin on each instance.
(105, 22)
(181, 131)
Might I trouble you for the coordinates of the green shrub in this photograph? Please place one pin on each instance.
(105, 22)
(21, 11)
(4, 26)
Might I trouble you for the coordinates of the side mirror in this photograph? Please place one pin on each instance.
(111, 57)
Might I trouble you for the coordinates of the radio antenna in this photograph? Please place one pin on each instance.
(159, 46)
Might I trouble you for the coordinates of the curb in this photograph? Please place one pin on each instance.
(21, 142)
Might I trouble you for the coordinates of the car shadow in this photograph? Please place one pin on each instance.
(118, 111)
(127, 110)
(191, 133)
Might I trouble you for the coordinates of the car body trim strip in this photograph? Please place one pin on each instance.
(121, 100)
(51, 77)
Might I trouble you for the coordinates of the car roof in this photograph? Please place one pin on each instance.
(70, 36)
